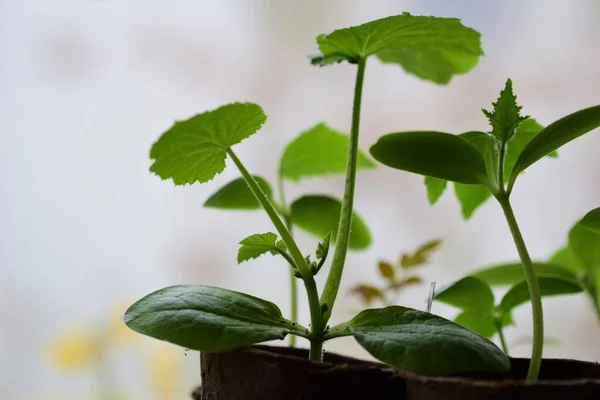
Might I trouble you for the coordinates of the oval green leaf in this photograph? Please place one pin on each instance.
(468, 293)
(556, 135)
(424, 343)
(564, 257)
(320, 215)
(431, 48)
(512, 273)
(584, 240)
(549, 286)
(194, 150)
(206, 318)
(236, 195)
(318, 151)
(436, 154)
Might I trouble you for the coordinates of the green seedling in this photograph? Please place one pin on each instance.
(316, 152)
(397, 276)
(578, 261)
(489, 162)
(481, 314)
(214, 319)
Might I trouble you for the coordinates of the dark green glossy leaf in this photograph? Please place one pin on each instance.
(258, 244)
(506, 115)
(436, 154)
(584, 240)
(477, 321)
(206, 318)
(424, 343)
(429, 47)
(194, 150)
(318, 151)
(556, 135)
(549, 286)
(237, 196)
(435, 188)
(320, 215)
(467, 294)
(512, 273)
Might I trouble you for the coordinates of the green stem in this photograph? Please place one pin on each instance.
(534, 289)
(316, 350)
(317, 322)
(293, 286)
(502, 339)
(343, 236)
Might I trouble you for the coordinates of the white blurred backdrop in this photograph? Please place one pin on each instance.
(87, 86)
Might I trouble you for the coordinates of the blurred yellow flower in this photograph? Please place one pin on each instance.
(165, 371)
(75, 348)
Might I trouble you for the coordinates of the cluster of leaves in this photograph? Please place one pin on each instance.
(397, 277)
(316, 152)
(214, 319)
(479, 310)
(578, 262)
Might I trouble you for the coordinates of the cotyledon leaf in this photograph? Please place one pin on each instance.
(236, 195)
(206, 318)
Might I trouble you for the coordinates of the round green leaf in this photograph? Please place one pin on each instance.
(318, 151)
(206, 318)
(565, 258)
(467, 294)
(477, 321)
(549, 286)
(436, 154)
(584, 240)
(236, 195)
(512, 273)
(194, 150)
(424, 343)
(556, 135)
(431, 48)
(320, 215)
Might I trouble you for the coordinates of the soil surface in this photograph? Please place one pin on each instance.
(265, 372)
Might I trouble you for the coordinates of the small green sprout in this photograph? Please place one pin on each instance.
(487, 164)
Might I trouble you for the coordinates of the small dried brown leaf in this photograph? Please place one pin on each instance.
(386, 270)
(367, 293)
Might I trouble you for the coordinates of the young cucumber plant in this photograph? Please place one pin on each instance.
(317, 152)
(481, 314)
(578, 261)
(397, 277)
(213, 319)
(490, 162)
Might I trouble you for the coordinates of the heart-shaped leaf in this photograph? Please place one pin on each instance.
(194, 150)
(424, 343)
(556, 135)
(512, 273)
(584, 240)
(436, 154)
(468, 293)
(429, 47)
(320, 215)
(206, 318)
(236, 195)
(318, 151)
(549, 286)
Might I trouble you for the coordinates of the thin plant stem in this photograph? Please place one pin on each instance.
(502, 339)
(317, 323)
(534, 290)
(287, 217)
(334, 278)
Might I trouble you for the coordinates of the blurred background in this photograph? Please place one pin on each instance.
(87, 86)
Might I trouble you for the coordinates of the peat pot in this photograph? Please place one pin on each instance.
(265, 373)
